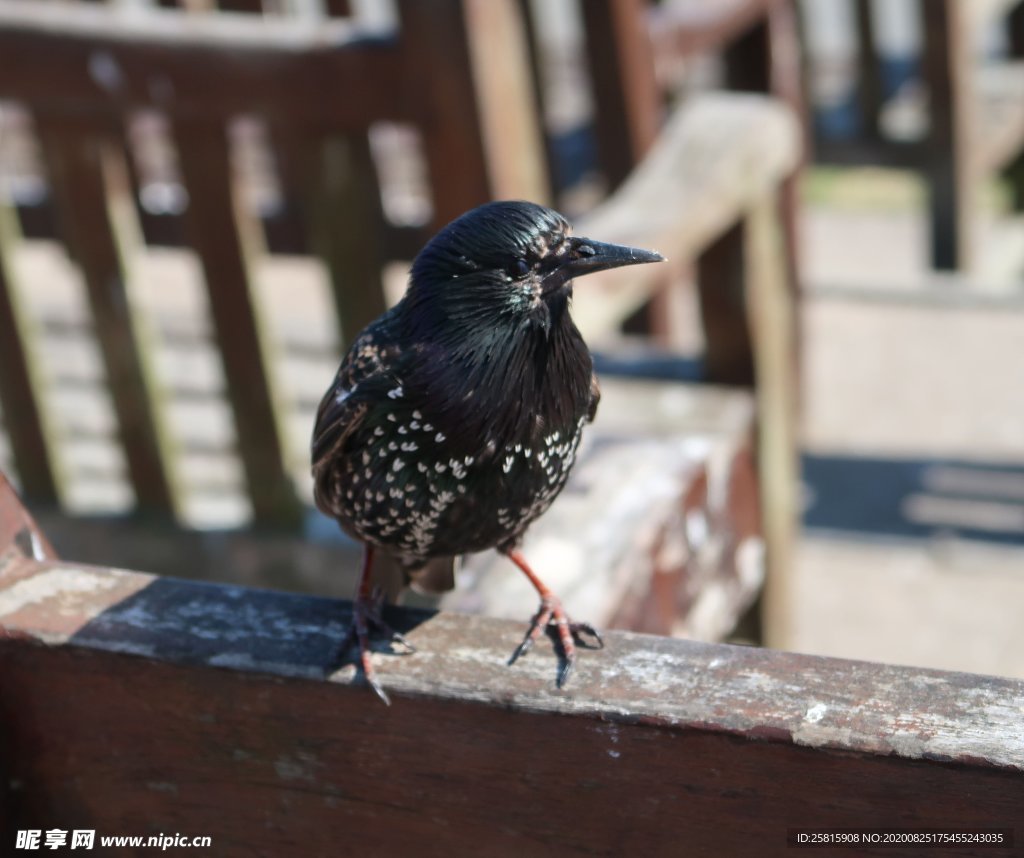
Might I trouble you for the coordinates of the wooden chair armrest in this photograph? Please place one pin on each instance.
(716, 157)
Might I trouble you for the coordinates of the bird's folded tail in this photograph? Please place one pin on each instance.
(436, 575)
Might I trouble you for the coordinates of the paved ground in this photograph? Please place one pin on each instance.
(902, 364)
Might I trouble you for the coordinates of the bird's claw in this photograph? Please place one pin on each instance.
(366, 621)
(570, 634)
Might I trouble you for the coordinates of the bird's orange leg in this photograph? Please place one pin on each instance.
(551, 612)
(366, 618)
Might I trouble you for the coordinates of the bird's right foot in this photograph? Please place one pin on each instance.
(367, 621)
(550, 614)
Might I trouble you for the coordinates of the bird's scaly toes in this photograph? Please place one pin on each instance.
(367, 621)
(570, 634)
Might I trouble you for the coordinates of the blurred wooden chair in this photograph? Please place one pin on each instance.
(82, 71)
(974, 127)
(632, 46)
(708, 194)
(631, 50)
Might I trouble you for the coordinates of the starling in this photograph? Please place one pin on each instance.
(454, 418)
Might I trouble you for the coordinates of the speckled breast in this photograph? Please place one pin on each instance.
(406, 487)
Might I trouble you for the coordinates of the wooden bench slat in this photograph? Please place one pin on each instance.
(498, 71)
(870, 90)
(621, 65)
(97, 213)
(347, 227)
(74, 58)
(480, 136)
(223, 238)
(35, 454)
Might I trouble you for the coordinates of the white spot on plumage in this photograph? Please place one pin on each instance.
(398, 464)
(396, 392)
(439, 437)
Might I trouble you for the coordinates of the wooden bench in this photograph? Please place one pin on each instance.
(218, 711)
(706, 197)
(82, 71)
(975, 117)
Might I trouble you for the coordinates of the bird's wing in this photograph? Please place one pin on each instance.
(342, 408)
(595, 397)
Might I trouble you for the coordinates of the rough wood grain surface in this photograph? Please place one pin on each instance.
(217, 710)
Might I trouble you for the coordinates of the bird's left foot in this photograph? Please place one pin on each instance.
(367, 620)
(570, 634)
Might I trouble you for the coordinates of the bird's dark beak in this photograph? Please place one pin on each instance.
(585, 256)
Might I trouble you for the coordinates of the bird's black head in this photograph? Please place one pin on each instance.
(508, 262)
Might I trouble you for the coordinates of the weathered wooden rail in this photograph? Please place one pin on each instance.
(136, 704)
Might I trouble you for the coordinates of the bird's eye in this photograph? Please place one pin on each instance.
(521, 267)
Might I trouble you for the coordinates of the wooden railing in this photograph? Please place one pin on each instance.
(133, 704)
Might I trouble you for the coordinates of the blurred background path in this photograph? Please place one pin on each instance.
(913, 548)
